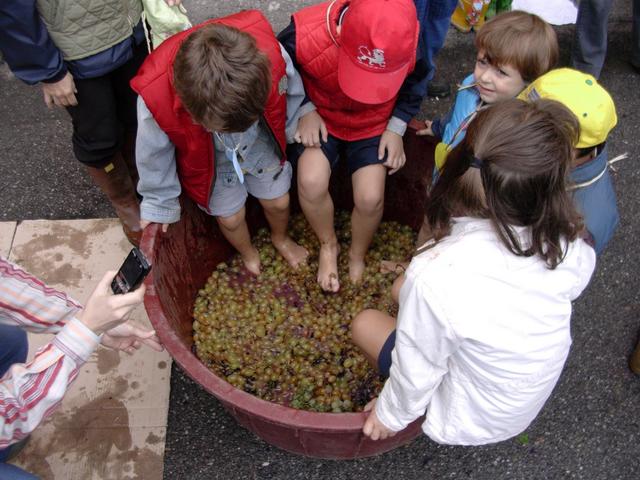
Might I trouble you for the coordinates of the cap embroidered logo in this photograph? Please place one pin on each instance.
(375, 57)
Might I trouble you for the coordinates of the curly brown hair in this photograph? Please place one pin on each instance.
(222, 78)
(524, 152)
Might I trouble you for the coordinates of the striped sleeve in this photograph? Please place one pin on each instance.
(27, 302)
(30, 392)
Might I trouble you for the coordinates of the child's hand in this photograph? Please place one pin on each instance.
(390, 266)
(392, 143)
(310, 129)
(374, 428)
(426, 131)
(145, 223)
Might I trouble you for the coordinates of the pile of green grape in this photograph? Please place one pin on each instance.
(279, 337)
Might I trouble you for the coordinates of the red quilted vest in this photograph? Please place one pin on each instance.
(317, 57)
(195, 154)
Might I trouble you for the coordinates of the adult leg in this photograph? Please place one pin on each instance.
(13, 349)
(126, 100)
(590, 41)
(236, 231)
(11, 472)
(97, 141)
(368, 198)
(370, 330)
(277, 213)
(314, 172)
(433, 30)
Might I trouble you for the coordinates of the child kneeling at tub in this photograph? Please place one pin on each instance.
(483, 327)
(215, 104)
(592, 186)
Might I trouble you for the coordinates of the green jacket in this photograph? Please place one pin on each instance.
(81, 28)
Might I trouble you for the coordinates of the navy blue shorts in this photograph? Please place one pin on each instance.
(358, 153)
(384, 357)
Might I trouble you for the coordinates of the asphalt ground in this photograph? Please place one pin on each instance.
(589, 428)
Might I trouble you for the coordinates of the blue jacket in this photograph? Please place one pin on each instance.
(33, 57)
(597, 202)
(465, 104)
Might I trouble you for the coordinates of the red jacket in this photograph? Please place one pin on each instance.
(195, 154)
(317, 57)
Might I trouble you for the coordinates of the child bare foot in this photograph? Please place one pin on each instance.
(252, 262)
(356, 268)
(293, 253)
(328, 267)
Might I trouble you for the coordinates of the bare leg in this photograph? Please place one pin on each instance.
(313, 189)
(277, 213)
(235, 230)
(369, 330)
(368, 198)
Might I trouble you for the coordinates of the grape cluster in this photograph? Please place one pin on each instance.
(280, 337)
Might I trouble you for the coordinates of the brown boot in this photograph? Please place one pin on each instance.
(115, 182)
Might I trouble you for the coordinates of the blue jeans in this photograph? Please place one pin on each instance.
(11, 472)
(13, 349)
(434, 17)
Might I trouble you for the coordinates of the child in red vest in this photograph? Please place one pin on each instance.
(358, 62)
(212, 121)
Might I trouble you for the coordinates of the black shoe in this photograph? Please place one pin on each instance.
(438, 89)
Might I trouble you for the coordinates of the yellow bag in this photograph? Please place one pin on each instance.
(163, 20)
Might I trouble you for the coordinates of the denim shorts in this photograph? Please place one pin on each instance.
(384, 357)
(265, 180)
(358, 153)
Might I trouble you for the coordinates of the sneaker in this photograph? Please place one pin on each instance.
(438, 89)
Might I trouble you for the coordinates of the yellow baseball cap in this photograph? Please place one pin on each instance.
(584, 96)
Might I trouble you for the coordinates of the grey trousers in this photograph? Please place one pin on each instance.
(590, 42)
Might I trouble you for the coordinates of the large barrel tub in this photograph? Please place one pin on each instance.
(184, 257)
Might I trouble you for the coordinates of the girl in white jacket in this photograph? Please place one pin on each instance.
(483, 326)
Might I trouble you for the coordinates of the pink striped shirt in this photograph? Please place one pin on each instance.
(30, 392)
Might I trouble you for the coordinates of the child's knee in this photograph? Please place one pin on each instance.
(311, 186)
(232, 222)
(369, 201)
(277, 205)
(359, 327)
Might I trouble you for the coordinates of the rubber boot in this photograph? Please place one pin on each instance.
(634, 360)
(469, 14)
(115, 182)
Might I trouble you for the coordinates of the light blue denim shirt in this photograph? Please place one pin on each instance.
(155, 154)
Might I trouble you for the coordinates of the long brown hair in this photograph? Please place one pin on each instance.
(523, 152)
(222, 78)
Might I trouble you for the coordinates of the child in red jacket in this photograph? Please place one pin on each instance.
(358, 64)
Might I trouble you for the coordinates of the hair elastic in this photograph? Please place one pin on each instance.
(476, 162)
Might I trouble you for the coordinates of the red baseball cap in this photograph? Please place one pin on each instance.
(378, 42)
